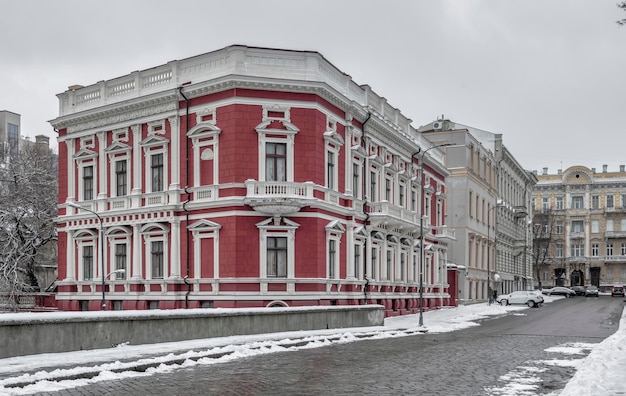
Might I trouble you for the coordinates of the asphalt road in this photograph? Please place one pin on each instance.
(476, 361)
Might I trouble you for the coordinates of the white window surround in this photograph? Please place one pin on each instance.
(85, 158)
(277, 227)
(376, 252)
(83, 238)
(285, 134)
(332, 144)
(118, 152)
(205, 229)
(205, 143)
(155, 145)
(153, 232)
(334, 232)
(115, 236)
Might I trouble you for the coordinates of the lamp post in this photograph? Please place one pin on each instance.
(101, 241)
(421, 179)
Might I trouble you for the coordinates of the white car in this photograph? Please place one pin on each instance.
(530, 298)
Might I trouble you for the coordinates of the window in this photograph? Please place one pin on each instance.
(120, 260)
(623, 249)
(373, 188)
(559, 227)
(609, 201)
(401, 196)
(414, 200)
(387, 189)
(609, 225)
(609, 249)
(330, 170)
(277, 257)
(559, 203)
(577, 202)
(374, 262)
(623, 203)
(156, 168)
(577, 226)
(577, 249)
(595, 201)
(88, 183)
(157, 259)
(88, 262)
(545, 203)
(595, 226)
(403, 266)
(13, 136)
(275, 162)
(623, 225)
(595, 249)
(357, 260)
(389, 264)
(356, 179)
(121, 178)
(559, 250)
(471, 205)
(332, 258)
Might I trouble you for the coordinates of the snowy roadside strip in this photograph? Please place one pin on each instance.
(148, 366)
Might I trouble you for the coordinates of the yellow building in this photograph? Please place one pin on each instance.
(580, 227)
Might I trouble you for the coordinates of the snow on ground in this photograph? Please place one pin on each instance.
(601, 372)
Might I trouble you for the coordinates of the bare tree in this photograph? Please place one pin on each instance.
(28, 196)
(622, 5)
(544, 240)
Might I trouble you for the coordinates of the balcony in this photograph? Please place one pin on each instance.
(615, 234)
(520, 212)
(443, 232)
(384, 212)
(278, 198)
(614, 259)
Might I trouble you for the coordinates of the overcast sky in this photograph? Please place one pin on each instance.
(548, 75)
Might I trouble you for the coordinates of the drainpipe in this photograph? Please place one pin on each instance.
(367, 215)
(188, 196)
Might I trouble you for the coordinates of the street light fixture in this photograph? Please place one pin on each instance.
(101, 241)
(422, 201)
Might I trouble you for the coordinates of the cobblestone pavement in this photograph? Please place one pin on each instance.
(476, 361)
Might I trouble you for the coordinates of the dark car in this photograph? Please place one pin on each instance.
(617, 291)
(560, 291)
(580, 290)
(591, 291)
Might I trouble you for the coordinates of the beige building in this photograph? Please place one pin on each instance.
(580, 227)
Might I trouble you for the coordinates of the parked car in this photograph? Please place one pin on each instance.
(617, 291)
(530, 298)
(560, 291)
(591, 291)
(580, 290)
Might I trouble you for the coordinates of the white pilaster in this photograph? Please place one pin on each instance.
(175, 158)
(70, 251)
(136, 253)
(137, 166)
(175, 250)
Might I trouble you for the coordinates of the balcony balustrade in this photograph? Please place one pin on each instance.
(278, 198)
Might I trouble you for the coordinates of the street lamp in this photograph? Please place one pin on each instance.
(421, 179)
(101, 241)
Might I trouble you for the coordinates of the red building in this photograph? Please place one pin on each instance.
(246, 177)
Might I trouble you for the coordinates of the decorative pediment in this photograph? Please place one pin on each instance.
(204, 225)
(84, 154)
(119, 230)
(334, 138)
(117, 147)
(154, 140)
(281, 127)
(203, 130)
(277, 223)
(85, 233)
(335, 226)
(154, 228)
